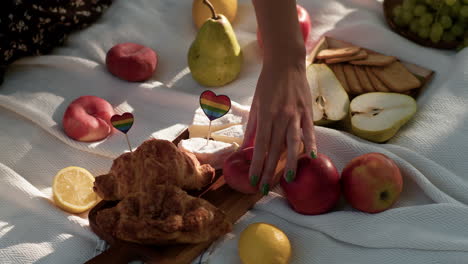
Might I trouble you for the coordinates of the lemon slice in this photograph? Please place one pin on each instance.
(264, 243)
(72, 190)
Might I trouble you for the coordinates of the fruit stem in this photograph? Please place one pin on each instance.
(213, 12)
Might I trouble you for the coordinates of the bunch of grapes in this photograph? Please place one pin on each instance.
(437, 20)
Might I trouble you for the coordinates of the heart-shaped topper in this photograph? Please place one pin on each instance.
(122, 122)
(214, 106)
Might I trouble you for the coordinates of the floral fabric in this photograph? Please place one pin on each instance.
(31, 27)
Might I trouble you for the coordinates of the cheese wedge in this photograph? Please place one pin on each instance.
(211, 152)
(232, 134)
(237, 115)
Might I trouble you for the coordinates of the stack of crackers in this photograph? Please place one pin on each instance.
(362, 71)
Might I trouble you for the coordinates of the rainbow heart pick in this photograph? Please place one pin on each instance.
(122, 122)
(214, 106)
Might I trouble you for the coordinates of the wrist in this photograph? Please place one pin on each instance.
(285, 56)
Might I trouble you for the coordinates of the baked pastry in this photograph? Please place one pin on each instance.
(154, 162)
(167, 215)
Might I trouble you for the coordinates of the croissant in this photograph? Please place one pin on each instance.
(167, 215)
(154, 162)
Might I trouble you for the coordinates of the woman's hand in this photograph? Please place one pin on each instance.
(280, 119)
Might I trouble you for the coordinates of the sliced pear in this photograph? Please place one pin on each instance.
(330, 101)
(378, 116)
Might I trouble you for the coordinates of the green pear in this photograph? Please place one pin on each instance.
(215, 56)
(377, 116)
(330, 101)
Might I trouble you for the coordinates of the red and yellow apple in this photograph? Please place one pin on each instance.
(304, 23)
(371, 183)
(316, 188)
(131, 62)
(87, 119)
(236, 171)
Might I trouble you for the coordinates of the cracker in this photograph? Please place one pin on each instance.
(375, 60)
(359, 56)
(396, 77)
(363, 79)
(338, 52)
(340, 75)
(379, 86)
(351, 78)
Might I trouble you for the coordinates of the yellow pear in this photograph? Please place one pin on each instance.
(200, 13)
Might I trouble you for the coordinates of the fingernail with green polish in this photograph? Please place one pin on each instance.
(265, 188)
(313, 155)
(254, 180)
(290, 176)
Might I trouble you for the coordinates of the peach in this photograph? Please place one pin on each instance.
(131, 62)
(87, 119)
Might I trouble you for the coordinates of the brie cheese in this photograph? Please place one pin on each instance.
(232, 134)
(237, 115)
(211, 152)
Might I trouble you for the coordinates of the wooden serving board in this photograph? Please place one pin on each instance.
(233, 203)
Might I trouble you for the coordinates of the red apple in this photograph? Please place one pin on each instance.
(87, 119)
(316, 188)
(304, 22)
(131, 62)
(236, 171)
(371, 182)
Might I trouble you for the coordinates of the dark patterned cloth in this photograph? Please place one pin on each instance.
(35, 27)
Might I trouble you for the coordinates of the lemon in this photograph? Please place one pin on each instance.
(72, 190)
(201, 12)
(262, 243)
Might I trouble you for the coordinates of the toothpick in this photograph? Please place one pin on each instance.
(128, 142)
(209, 134)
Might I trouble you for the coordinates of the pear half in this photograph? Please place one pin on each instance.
(377, 116)
(330, 102)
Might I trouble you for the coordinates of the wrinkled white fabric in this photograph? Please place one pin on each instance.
(427, 225)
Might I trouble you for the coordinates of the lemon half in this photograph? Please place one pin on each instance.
(72, 190)
(262, 243)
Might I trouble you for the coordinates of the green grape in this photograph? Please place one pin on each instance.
(399, 21)
(448, 37)
(455, 10)
(445, 11)
(408, 5)
(457, 30)
(414, 26)
(420, 10)
(406, 17)
(426, 20)
(450, 2)
(397, 10)
(436, 32)
(424, 32)
(445, 21)
(464, 11)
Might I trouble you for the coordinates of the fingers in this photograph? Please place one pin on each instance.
(308, 132)
(293, 138)
(249, 135)
(276, 148)
(261, 147)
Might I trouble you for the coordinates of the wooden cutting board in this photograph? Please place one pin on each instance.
(233, 203)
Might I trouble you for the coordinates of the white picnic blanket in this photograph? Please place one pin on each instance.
(428, 225)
